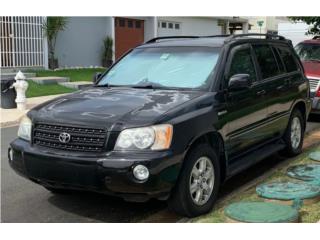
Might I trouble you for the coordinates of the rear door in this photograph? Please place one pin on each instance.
(246, 109)
(275, 82)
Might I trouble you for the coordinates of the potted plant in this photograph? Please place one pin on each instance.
(107, 53)
(51, 28)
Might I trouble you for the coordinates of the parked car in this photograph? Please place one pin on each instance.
(172, 119)
(309, 53)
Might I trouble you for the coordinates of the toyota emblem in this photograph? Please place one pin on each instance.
(64, 137)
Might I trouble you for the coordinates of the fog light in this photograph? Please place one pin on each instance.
(141, 172)
(10, 155)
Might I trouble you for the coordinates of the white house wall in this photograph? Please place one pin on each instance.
(190, 26)
(294, 31)
(81, 43)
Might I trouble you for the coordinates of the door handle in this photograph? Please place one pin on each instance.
(260, 93)
(280, 87)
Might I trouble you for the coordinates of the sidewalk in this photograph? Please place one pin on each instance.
(11, 117)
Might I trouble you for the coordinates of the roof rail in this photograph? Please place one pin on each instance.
(267, 36)
(168, 37)
(316, 37)
(182, 37)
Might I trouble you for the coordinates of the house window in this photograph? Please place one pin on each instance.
(170, 25)
(130, 24)
(122, 23)
(177, 26)
(138, 24)
(163, 24)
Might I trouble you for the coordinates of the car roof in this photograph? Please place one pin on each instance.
(210, 41)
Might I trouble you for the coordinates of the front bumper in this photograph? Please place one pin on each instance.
(109, 173)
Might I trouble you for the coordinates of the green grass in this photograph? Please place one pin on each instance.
(75, 75)
(309, 213)
(37, 90)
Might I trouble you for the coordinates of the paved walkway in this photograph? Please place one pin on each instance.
(11, 117)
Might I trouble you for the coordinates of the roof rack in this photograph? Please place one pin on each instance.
(316, 37)
(168, 37)
(153, 40)
(267, 36)
(228, 37)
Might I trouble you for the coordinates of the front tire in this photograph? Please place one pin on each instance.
(198, 183)
(294, 134)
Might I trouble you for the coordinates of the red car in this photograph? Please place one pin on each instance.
(309, 53)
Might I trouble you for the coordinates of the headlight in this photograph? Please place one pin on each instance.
(156, 137)
(25, 128)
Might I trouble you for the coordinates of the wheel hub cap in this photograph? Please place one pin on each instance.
(295, 132)
(201, 181)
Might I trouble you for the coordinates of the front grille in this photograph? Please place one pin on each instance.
(314, 83)
(81, 138)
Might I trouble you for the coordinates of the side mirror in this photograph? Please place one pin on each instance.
(96, 77)
(239, 82)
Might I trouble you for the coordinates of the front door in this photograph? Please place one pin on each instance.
(129, 33)
(246, 109)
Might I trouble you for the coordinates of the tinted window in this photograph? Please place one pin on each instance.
(266, 61)
(242, 64)
(288, 59)
(279, 61)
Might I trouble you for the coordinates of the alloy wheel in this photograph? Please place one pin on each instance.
(201, 181)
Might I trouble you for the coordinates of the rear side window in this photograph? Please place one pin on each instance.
(288, 59)
(279, 61)
(242, 64)
(267, 63)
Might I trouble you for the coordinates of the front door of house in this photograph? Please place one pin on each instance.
(129, 33)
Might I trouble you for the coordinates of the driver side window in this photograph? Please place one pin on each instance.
(242, 63)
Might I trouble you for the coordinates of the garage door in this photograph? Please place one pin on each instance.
(129, 33)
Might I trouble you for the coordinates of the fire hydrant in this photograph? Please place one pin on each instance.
(21, 86)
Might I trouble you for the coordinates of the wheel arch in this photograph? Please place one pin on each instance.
(215, 140)
(301, 106)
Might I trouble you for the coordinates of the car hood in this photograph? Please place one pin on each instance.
(106, 107)
(312, 69)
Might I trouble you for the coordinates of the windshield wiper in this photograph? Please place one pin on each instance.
(147, 84)
(108, 85)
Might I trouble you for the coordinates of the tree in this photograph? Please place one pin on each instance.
(314, 22)
(52, 26)
(107, 53)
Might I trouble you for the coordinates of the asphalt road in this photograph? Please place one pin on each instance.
(24, 201)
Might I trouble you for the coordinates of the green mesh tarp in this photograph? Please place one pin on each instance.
(261, 212)
(305, 172)
(288, 190)
(315, 156)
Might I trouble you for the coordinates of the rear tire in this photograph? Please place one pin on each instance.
(198, 184)
(294, 134)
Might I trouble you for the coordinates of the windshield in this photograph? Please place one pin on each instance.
(308, 52)
(167, 67)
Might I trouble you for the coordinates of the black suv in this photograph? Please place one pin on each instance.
(172, 119)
